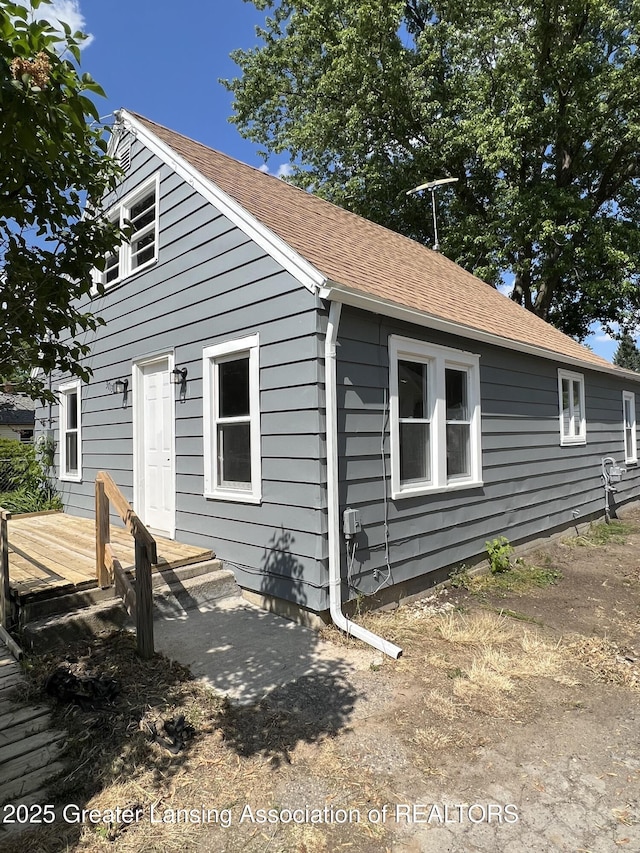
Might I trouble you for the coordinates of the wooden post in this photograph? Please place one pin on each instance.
(102, 534)
(5, 600)
(144, 601)
(140, 600)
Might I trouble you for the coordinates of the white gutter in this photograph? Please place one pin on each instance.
(377, 305)
(335, 584)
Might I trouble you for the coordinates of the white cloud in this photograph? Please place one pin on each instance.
(67, 11)
(283, 170)
(600, 336)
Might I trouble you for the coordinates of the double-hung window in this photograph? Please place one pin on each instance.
(629, 424)
(232, 462)
(435, 418)
(70, 432)
(139, 213)
(573, 425)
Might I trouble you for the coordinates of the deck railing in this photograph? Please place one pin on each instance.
(109, 570)
(5, 601)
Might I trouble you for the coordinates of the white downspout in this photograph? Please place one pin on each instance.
(335, 586)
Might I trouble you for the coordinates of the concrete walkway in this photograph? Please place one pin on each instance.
(246, 653)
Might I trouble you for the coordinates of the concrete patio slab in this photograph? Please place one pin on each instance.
(245, 652)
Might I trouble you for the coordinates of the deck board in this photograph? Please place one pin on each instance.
(55, 551)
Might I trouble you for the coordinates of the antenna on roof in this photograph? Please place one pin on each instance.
(432, 187)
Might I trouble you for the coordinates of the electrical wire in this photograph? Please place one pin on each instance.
(251, 570)
(350, 562)
(385, 421)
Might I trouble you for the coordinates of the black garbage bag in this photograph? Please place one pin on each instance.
(87, 691)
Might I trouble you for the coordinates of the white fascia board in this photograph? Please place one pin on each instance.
(421, 318)
(114, 135)
(300, 269)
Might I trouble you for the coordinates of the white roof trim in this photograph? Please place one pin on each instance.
(310, 277)
(301, 269)
(421, 318)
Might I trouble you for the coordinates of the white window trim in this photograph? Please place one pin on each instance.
(120, 213)
(631, 397)
(63, 391)
(581, 437)
(210, 355)
(439, 358)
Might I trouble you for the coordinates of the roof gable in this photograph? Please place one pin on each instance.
(327, 246)
(17, 409)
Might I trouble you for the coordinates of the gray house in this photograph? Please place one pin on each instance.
(333, 408)
(17, 416)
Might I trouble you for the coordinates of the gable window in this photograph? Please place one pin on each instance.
(70, 432)
(435, 418)
(111, 271)
(232, 463)
(573, 427)
(629, 423)
(139, 212)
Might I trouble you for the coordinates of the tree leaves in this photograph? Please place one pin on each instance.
(533, 106)
(51, 160)
(627, 354)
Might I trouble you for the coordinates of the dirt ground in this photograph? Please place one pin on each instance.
(509, 724)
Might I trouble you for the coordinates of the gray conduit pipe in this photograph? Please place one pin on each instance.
(335, 585)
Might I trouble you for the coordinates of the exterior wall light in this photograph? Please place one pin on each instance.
(179, 376)
(120, 386)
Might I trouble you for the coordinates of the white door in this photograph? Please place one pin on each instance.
(155, 468)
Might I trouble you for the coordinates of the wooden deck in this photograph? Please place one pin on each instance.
(57, 552)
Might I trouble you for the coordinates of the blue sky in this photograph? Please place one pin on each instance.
(164, 61)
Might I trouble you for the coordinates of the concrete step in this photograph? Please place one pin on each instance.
(170, 600)
(41, 605)
(174, 597)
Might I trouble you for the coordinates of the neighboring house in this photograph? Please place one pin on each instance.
(17, 416)
(286, 360)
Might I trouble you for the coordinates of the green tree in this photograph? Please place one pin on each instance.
(53, 173)
(627, 354)
(531, 104)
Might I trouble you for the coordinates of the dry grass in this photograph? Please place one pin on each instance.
(606, 662)
(432, 738)
(521, 578)
(239, 755)
(474, 629)
(113, 761)
(491, 662)
(485, 690)
(465, 678)
(601, 534)
(438, 703)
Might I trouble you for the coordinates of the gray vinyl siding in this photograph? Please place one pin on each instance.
(212, 284)
(531, 484)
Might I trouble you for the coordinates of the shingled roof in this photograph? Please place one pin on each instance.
(368, 259)
(17, 409)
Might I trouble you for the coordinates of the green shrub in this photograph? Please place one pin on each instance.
(16, 464)
(500, 553)
(460, 578)
(25, 500)
(24, 485)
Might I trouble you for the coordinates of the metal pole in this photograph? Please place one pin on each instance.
(436, 244)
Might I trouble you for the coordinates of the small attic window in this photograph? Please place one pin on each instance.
(138, 210)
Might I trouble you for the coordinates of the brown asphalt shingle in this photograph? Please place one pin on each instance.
(364, 257)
